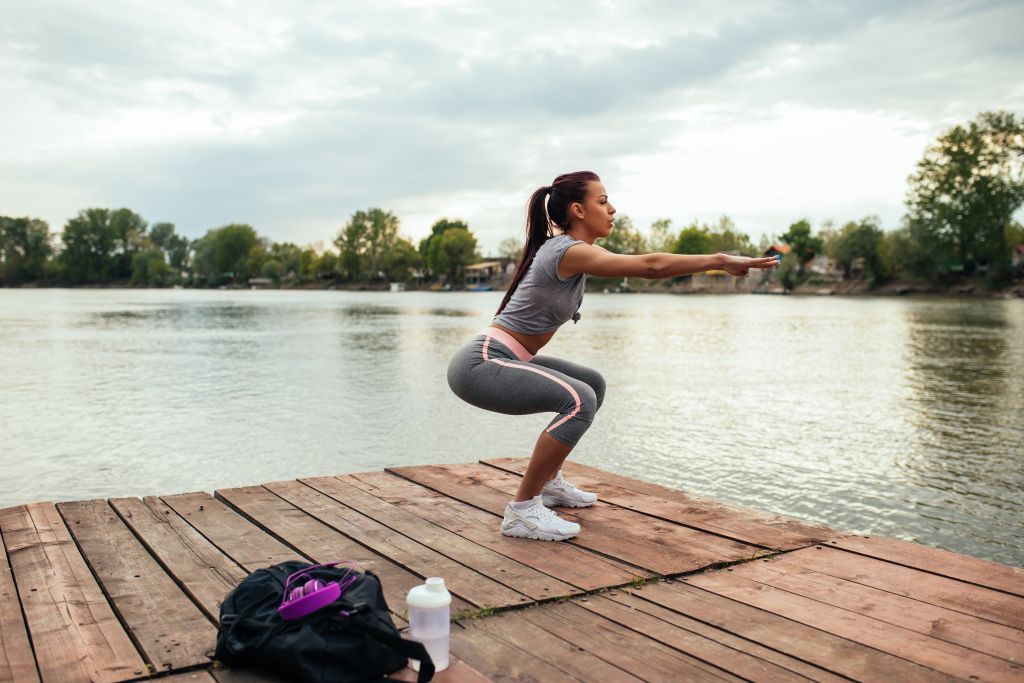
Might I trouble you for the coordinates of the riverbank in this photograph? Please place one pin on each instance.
(701, 284)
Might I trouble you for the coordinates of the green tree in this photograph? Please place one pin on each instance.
(861, 239)
(436, 230)
(129, 230)
(307, 264)
(804, 245)
(660, 238)
(400, 259)
(175, 246)
(223, 254)
(25, 246)
(725, 238)
(966, 189)
(150, 269)
(623, 239)
(327, 266)
(289, 259)
(89, 246)
(451, 252)
(363, 241)
(788, 270)
(693, 239)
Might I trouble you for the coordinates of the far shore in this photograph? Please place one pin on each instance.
(966, 288)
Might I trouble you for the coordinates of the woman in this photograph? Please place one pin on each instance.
(499, 370)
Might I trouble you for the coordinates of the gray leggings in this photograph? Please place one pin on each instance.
(489, 373)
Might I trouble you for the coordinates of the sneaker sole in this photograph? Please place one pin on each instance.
(538, 535)
(552, 502)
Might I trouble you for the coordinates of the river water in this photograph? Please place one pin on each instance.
(901, 417)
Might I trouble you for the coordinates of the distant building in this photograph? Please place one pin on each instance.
(483, 275)
(1017, 257)
(824, 267)
(777, 250)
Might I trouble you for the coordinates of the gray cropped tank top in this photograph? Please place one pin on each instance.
(544, 300)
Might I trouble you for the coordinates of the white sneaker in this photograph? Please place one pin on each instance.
(560, 492)
(536, 521)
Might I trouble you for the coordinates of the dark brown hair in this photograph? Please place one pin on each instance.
(560, 194)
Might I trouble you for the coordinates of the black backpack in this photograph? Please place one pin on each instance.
(325, 646)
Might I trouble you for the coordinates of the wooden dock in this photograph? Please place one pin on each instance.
(659, 586)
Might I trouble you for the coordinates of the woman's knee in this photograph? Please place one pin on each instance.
(599, 386)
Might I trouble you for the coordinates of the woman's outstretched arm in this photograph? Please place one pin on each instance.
(599, 262)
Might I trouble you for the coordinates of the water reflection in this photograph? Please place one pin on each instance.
(966, 404)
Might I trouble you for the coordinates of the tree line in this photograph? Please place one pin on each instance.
(102, 246)
(959, 220)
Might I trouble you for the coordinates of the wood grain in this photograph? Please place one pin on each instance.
(168, 627)
(739, 524)
(75, 634)
(203, 571)
(574, 565)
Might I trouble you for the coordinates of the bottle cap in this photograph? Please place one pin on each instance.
(430, 594)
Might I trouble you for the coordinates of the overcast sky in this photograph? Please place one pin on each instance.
(292, 115)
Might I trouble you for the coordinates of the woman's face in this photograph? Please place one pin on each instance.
(598, 213)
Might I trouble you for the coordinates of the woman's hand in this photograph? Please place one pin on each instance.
(739, 265)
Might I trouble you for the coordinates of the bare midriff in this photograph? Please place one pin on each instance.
(531, 342)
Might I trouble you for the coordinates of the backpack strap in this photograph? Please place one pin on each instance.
(409, 648)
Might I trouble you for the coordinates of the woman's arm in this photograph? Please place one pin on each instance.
(593, 260)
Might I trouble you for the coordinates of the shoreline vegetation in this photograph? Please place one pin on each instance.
(957, 238)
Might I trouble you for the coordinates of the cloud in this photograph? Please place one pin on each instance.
(203, 114)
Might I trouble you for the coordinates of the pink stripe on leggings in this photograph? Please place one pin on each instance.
(565, 385)
(508, 340)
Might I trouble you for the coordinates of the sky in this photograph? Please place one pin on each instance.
(291, 116)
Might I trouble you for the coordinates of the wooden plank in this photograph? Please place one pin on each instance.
(628, 650)
(655, 545)
(935, 590)
(203, 571)
(942, 656)
(17, 663)
(74, 632)
(942, 562)
(574, 565)
(743, 658)
(500, 659)
(516, 575)
(471, 586)
(838, 655)
(201, 676)
(321, 543)
(515, 629)
(167, 626)
(937, 622)
(245, 543)
(740, 524)
(457, 672)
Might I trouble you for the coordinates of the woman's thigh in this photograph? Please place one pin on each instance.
(516, 387)
(582, 373)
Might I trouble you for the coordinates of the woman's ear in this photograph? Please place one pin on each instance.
(577, 210)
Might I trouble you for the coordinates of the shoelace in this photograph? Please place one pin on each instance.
(547, 514)
(565, 486)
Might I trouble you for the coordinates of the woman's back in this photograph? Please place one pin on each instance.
(544, 300)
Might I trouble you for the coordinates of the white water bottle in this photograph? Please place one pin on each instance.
(430, 607)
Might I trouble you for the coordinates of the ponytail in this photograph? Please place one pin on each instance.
(538, 231)
(540, 219)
